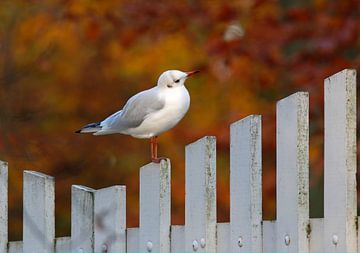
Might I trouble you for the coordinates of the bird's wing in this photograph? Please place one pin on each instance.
(135, 111)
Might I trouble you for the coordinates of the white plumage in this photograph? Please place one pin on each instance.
(150, 112)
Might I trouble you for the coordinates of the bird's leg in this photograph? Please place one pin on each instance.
(153, 150)
(152, 153)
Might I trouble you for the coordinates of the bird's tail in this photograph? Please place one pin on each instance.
(90, 128)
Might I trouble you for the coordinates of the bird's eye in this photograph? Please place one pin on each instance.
(176, 81)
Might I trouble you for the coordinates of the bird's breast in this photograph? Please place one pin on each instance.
(177, 102)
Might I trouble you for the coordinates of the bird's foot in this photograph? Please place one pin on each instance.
(158, 159)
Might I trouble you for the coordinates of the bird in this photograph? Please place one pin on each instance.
(149, 113)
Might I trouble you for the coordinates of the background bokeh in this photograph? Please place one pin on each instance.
(64, 63)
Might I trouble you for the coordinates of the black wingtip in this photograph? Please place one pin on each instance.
(78, 131)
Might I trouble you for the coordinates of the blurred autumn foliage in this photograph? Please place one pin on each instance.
(65, 63)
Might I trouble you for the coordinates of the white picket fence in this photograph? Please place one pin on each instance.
(98, 217)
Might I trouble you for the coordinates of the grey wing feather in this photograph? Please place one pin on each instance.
(135, 111)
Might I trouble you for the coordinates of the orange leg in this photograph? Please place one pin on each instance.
(154, 149)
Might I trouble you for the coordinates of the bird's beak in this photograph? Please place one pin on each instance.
(190, 73)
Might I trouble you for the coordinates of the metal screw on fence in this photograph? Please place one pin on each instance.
(149, 246)
(195, 245)
(335, 239)
(202, 242)
(104, 248)
(287, 240)
(240, 242)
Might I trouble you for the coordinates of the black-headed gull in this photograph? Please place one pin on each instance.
(150, 112)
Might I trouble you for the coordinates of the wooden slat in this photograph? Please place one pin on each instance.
(245, 185)
(223, 237)
(82, 219)
(292, 158)
(200, 198)
(15, 247)
(340, 163)
(62, 244)
(316, 235)
(3, 206)
(110, 219)
(38, 212)
(269, 236)
(154, 230)
(132, 240)
(177, 238)
(358, 235)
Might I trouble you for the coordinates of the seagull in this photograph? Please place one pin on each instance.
(150, 112)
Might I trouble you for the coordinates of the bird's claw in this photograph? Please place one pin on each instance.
(158, 159)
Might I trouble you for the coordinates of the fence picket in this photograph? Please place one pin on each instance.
(340, 163)
(3, 206)
(245, 185)
(177, 238)
(15, 247)
(110, 219)
(200, 197)
(316, 235)
(155, 213)
(292, 143)
(223, 237)
(38, 212)
(269, 236)
(132, 240)
(82, 219)
(62, 244)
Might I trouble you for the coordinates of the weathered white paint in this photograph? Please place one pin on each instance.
(63, 244)
(132, 240)
(292, 157)
(155, 207)
(340, 162)
(269, 236)
(316, 235)
(223, 237)
(200, 194)
(245, 185)
(177, 238)
(15, 247)
(3, 206)
(110, 219)
(38, 212)
(82, 219)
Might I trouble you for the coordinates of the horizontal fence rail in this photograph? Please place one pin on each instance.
(98, 217)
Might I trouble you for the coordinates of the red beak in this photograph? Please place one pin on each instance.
(190, 73)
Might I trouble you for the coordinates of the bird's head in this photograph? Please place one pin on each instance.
(174, 78)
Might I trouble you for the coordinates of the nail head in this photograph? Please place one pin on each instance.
(335, 239)
(195, 245)
(287, 240)
(202, 242)
(149, 246)
(104, 248)
(240, 241)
